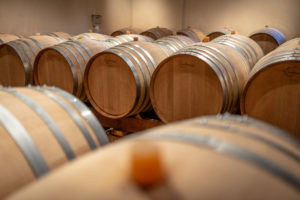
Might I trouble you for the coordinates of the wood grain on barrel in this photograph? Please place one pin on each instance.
(8, 37)
(187, 85)
(219, 32)
(206, 169)
(193, 33)
(123, 32)
(156, 33)
(117, 80)
(247, 47)
(175, 42)
(272, 93)
(15, 169)
(17, 57)
(60, 34)
(63, 65)
(95, 36)
(268, 39)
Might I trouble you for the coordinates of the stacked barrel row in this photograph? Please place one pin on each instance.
(17, 58)
(63, 65)
(124, 76)
(117, 80)
(203, 79)
(41, 129)
(206, 78)
(176, 92)
(66, 128)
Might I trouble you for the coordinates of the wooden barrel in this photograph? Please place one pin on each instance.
(42, 129)
(272, 92)
(8, 37)
(244, 45)
(94, 36)
(223, 157)
(217, 33)
(17, 58)
(128, 38)
(63, 65)
(156, 33)
(175, 42)
(193, 33)
(60, 34)
(202, 79)
(117, 80)
(268, 39)
(124, 31)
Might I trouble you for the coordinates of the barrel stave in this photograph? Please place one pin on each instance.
(62, 124)
(219, 147)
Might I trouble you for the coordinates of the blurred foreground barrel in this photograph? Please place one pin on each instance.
(40, 130)
(124, 31)
(60, 34)
(189, 160)
(272, 92)
(244, 45)
(94, 36)
(175, 42)
(17, 59)
(220, 32)
(117, 80)
(63, 65)
(193, 33)
(268, 39)
(128, 38)
(201, 79)
(8, 37)
(156, 33)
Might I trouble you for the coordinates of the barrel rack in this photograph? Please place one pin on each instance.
(118, 128)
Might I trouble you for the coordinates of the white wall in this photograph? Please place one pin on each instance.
(73, 16)
(28, 17)
(151, 13)
(245, 16)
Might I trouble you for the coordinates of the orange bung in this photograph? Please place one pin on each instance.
(146, 165)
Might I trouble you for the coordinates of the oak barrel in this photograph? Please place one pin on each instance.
(217, 33)
(272, 92)
(94, 36)
(124, 31)
(268, 39)
(117, 80)
(60, 34)
(222, 157)
(193, 33)
(201, 79)
(63, 65)
(156, 33)
(17, 59)
(8, 37)
(175, 42)
(42, 129)
(244, 45)
(128, 38)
